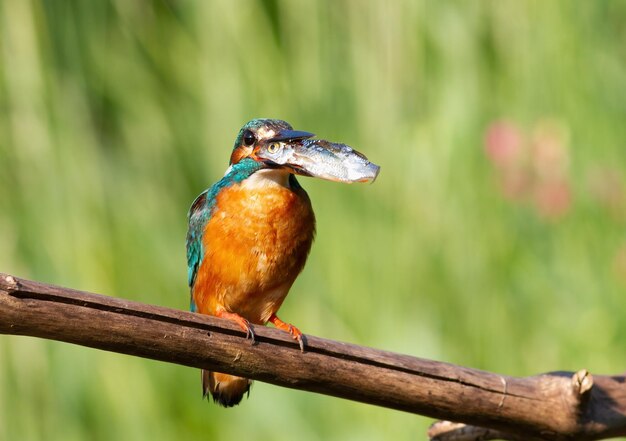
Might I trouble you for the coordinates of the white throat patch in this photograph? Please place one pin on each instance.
(267, 178)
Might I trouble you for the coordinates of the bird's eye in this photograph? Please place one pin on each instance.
(273, 147)
(248, 138)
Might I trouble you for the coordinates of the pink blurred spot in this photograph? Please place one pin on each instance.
(553, 198)
(535, 172)
(503, 143)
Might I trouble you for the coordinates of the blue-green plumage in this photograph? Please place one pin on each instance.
(202, 209)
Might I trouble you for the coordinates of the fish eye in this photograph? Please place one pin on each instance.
(248, 138)
(273, 147)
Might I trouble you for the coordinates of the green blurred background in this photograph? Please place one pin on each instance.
(493, 238)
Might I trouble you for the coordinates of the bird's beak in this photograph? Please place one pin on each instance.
(291, 135)
(324, 159)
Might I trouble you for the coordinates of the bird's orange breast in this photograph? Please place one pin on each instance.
(255, 244)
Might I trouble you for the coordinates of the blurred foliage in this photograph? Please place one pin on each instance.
(493, 238)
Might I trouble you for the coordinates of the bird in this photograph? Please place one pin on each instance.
(250, 233)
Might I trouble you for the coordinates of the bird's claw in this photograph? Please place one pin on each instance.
(250, 332)
(242, 322)
(297, 335)
(295, 332)
(301, 343)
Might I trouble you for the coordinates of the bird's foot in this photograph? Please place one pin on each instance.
(242, 322)
(295, 332)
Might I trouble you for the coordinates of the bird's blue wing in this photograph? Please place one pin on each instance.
(198, 217)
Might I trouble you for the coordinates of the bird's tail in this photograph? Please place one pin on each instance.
(226, 390)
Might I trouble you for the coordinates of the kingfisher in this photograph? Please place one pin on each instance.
(251, 232)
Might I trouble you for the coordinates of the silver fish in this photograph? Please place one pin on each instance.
(321, 159)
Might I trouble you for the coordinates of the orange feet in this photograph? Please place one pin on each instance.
(295, 332)
(242, 322)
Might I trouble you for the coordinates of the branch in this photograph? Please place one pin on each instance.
(553, 406)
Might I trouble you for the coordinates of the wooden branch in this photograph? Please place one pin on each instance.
(449, 431)
(553, 406)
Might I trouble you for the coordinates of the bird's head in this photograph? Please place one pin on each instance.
(274, 144)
